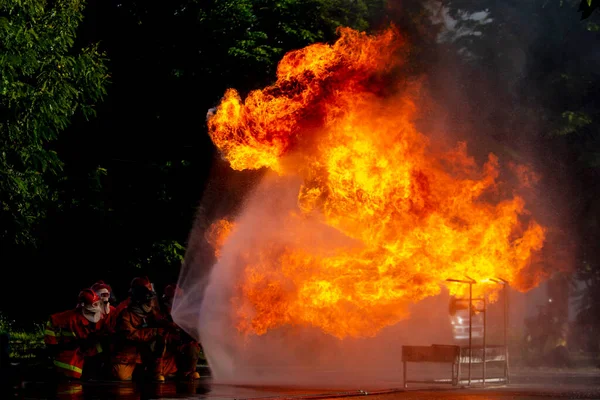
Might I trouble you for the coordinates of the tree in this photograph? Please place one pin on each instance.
(536, 64)
(44, 82)
(170, 61)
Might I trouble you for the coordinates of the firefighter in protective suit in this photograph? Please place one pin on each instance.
(185, 350)
(141, 336)
(101, 364)
(109, 312)
(73, 336)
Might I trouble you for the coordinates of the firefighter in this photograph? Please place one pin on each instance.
(73, 336)
(141, 336)
(135, 282)
(101, 364)
(109, 312)
(186, 349)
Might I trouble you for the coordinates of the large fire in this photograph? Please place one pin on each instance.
(415, 216)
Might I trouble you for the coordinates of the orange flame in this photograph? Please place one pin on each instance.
(217, 234)
(419, 217)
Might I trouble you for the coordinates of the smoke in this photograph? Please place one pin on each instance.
(494, 81)
(496, 84)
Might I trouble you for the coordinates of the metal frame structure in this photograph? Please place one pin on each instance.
(485, 347)
(470, 282)
(505, 285)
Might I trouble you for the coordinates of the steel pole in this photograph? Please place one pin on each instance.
(470, 327)
(506, 368)
(484, 337)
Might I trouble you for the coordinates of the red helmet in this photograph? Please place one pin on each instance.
(100, 285)
(87, 297)
(142, 282)
(102, 289)
(142, 290)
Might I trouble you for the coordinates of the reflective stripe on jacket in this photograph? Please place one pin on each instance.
(70, 363)
(68, 331)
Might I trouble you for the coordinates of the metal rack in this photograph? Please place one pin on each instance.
(485, 353)
(457, 356)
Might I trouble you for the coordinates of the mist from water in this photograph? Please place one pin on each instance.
(299, 355)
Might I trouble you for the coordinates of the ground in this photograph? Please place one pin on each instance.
(525, 384)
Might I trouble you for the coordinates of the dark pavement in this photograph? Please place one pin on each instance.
(533, 384)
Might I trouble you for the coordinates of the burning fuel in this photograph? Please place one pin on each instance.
(381, 218)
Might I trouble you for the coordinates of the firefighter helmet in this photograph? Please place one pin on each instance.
(142, 281)
(87, 297)
(142, 289)
(101, 286)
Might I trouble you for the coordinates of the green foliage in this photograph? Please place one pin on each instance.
(5, 324)
(587, 7)
(23, 343)
(256, 33)
(593, 27)
(175, 60)
(118, 193)
(572, 121)
(26, 344)
(164, 253)
(43, 84)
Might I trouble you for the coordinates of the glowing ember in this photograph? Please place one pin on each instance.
(416, 217)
